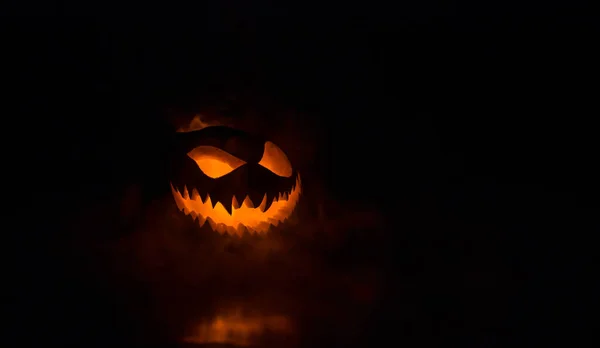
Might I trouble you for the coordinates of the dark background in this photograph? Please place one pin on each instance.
(487, 111)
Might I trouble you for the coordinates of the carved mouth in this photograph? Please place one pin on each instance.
(245, 216)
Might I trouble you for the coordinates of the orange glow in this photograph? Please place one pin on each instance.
(214, 162)
(213, 167)
(275, 160)
(197, 124)
(243, 215)
(237, 329)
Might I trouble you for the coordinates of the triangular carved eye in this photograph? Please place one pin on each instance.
(214, 162)
(275, 160)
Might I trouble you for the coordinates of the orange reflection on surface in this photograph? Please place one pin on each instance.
(238, 329)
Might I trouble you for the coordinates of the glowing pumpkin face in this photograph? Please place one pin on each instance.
(233, 180)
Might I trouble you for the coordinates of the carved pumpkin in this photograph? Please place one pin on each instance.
(235, 181)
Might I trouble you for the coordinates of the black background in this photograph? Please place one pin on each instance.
(488, 112)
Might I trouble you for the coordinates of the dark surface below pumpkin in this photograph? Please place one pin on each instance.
(447, 165)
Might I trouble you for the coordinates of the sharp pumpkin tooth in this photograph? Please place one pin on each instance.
(263, 203)
(201, 220)
(195, 195)
(285, 196)
(228, 208)
(270, 200)
(240, 199)
(234, 203)
(212, 223)
(207, 200)
(248, 202)
(256, 198)
(178, 201)
(186, 194)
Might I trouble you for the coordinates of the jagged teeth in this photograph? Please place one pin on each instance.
(248, 202)
(195, 195)
(235, 203)
(208, 201)
(271, 222)
(263, 204)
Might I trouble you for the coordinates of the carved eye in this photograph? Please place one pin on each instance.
(275, 160)
(214, 162)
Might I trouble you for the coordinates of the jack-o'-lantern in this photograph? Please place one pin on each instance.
(233, 180)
